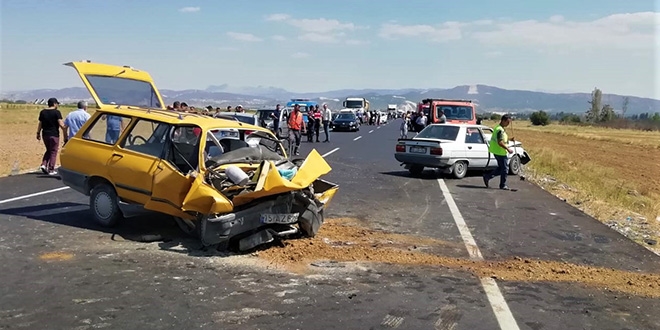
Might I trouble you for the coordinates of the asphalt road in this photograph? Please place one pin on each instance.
(60, 271)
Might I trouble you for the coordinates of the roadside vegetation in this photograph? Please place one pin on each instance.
(605, 163)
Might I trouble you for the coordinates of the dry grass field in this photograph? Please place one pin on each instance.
(610, 174)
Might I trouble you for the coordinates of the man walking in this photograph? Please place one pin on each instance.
(296, 126)
(275, 115)
(76, 119)
(327, 117)
(498, 147)
(50, 121)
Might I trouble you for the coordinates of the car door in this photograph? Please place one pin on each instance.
(487, 133)
(171, 180)
(475, 147)
(135, 158)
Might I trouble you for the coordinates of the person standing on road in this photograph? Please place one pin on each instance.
(317, 115)
(76, 119)
(405, 122)
(275, 115)
(498, 147)
(296, 126)
(114, 126)
(327, 117)
(50, 121)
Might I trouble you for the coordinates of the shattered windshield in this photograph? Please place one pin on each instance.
(225, 147)
(124, 91)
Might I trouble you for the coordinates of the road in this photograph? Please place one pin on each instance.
(63, 272)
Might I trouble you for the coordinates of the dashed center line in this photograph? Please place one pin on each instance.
(497, 303)
(329, 152)
(371, 131)
(357, 138)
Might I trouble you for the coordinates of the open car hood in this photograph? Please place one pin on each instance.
(217, 196)
(112, 85)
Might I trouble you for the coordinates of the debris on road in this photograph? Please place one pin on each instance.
(369, 245)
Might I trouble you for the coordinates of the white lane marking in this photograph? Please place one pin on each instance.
(378, 127)
(392, 321)
(371, 131)
(498, 304)
(357, 138)
(32, 195)
(329, 152)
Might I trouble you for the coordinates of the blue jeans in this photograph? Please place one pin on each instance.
(111, 136)
(502, 170)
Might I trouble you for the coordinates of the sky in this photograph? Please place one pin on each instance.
(313, 46)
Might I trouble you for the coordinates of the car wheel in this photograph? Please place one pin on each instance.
(191, 228)
(104, 204)
(514, 165)
(460, 169)
(416, 169)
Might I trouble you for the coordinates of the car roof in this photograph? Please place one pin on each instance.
(460, 125)
(179, 118)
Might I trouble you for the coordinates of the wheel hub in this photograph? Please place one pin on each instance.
(103, 205)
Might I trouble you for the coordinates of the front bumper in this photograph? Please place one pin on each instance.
(250, 227)
(344, 126)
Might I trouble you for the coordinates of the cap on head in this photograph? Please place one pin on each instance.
(52, 101)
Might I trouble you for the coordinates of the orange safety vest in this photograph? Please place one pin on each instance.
(296, 122)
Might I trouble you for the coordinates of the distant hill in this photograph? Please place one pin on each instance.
(488, 98)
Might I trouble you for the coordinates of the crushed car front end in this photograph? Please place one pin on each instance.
(270, 195)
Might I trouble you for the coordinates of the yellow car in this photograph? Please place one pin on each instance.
(222, 180)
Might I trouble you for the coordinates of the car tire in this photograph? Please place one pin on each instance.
(104, 205)
(190, 228)
(416, 169)
(514, 165)
(459, 169)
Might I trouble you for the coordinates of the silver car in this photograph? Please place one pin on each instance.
(455, 149)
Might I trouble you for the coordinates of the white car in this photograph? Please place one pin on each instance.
(455, 149)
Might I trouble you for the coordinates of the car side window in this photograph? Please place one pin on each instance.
(107, 128)
(183, 148)
(472, 135)
(147, 137)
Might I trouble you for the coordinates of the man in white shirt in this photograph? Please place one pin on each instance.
(421, 121)
(326, 117)
(76, 119)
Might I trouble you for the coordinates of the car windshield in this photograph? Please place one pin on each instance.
(455, 112)
(346, 116)
(243, 119)
(354, 104)
(443, 132)
(123, 91)
(264, 114)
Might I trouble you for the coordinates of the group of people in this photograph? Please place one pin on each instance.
(297, 126)
(48, 130)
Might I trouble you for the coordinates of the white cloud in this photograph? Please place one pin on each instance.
(277, 17)
(243, 36)
(300, 55)
(445, 32)
(278, 38)
(189, 9)
(624, 31)
(321, 30)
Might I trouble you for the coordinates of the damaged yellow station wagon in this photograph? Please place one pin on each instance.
(221, 180)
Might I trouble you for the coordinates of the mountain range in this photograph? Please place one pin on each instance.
(487, 98)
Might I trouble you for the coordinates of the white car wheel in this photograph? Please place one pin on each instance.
(514, 165)
(460, 169)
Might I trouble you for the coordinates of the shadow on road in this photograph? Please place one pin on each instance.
(142, 229)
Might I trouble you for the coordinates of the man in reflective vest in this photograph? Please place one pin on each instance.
(498, 147)
(296, 125)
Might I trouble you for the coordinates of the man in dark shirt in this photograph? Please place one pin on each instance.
(50, 122)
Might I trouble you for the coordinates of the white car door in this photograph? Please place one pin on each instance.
(487, 134)
(475, 147)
